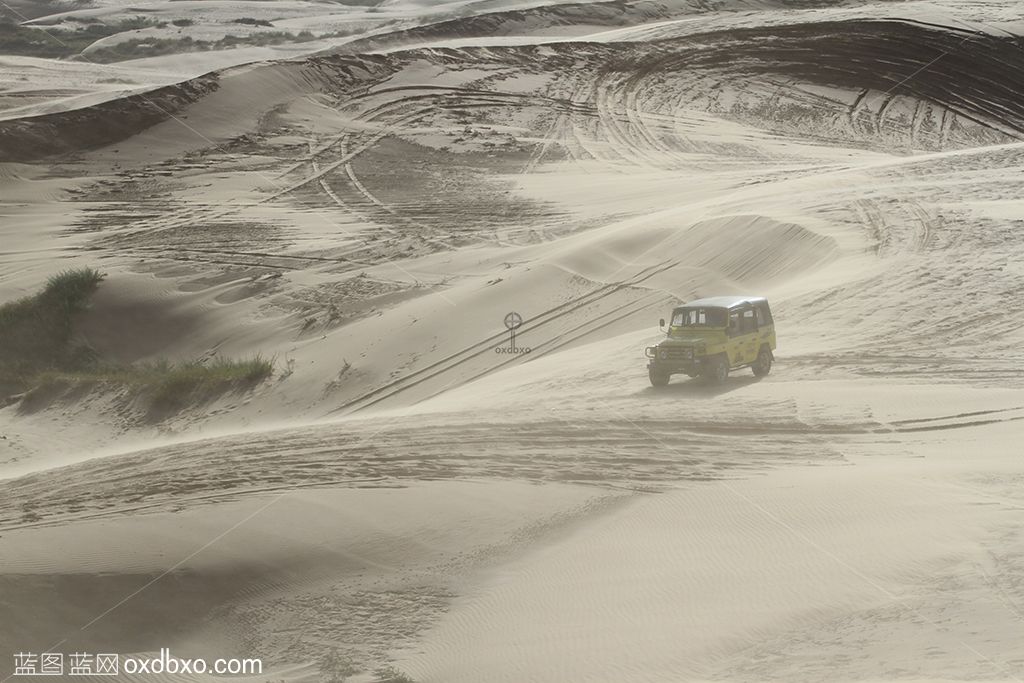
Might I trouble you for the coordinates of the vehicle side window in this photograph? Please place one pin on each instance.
(749, 323)
(764, 316)
(734, 323)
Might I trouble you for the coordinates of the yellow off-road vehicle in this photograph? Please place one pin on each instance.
(709, 337)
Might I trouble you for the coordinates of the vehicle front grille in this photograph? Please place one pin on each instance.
(675, 353)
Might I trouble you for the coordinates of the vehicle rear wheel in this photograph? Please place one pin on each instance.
(763, 365)
(658, 379)
(718, 371)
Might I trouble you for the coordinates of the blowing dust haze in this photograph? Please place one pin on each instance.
(511, 341)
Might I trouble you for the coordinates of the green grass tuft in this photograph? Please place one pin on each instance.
(172, 387)
(35, 332)
(39, 356)
(166, 387)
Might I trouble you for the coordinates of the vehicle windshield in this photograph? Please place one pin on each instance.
(699, 317)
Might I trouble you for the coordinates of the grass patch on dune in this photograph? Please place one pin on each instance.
(36, 331)
(167, 386)
(40, 356)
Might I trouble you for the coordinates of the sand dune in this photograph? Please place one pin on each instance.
(406, 491)
(921, 105)
(739, 580)
(357, 544)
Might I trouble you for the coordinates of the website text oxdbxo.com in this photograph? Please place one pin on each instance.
(108, 664)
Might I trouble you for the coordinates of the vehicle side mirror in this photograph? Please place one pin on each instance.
(661, 323)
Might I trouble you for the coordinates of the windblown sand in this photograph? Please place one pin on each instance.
(400, 494)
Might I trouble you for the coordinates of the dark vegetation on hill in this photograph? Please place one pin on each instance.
(30, 41)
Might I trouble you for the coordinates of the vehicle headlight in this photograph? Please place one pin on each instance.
(663, 354)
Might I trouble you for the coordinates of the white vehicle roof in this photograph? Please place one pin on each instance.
(724, 301)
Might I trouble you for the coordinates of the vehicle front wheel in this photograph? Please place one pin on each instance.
(718, 371)
(658, 379)
(763, 365)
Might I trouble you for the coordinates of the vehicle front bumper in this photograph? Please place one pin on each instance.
(674, 366)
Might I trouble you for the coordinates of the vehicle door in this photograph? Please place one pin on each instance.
(765, 326)
(734, 346)
(749, 338)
